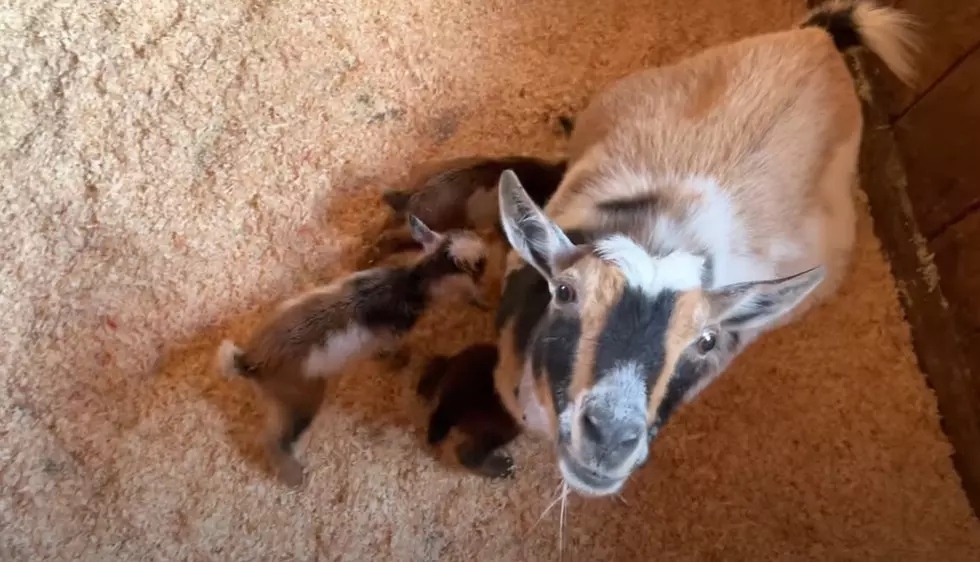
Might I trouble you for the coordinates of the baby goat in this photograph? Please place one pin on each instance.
(317, 334)
(461, 193)
(463, 389)
(707, 203)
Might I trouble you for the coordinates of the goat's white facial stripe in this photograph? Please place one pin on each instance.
(637, 265)
(677, 271)
(623, 390)
(567, 419)
(616, 403)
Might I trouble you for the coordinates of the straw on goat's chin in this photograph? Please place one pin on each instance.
(561, 520)
(562, 492)
(562, 498)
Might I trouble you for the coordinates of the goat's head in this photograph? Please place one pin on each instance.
(626, 337)
(454, 261)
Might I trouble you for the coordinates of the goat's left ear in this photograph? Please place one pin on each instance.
(422, 234)
(757, 304)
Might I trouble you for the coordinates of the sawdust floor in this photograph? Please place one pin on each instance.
(171, 168)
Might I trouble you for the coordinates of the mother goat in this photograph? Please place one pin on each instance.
(705, 203)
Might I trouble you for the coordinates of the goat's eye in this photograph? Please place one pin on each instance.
(707, 342)
(564, 294)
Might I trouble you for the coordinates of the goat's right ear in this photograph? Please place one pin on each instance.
(538, 240)
(422, 234)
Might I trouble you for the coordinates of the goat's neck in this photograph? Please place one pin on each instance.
(426, 274)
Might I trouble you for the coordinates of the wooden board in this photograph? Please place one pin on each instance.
(939, 140)
(957, 256)
(950, 29)
(935, 337)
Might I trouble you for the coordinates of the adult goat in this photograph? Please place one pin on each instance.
(705, 203)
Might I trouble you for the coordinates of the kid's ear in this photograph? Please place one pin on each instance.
(422, 234)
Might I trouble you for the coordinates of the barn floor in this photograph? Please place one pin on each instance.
(170, 168)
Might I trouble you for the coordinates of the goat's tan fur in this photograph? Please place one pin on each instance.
(784, 101)
(767, 129)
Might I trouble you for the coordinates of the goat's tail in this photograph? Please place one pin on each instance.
(232, 361)
(887, 32)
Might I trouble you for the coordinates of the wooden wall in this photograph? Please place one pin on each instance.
(935, 128)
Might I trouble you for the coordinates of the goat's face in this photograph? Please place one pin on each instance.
(626, 337)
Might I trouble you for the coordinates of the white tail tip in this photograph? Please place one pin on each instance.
(892, 35)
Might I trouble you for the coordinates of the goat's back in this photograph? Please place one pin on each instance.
(771, 122)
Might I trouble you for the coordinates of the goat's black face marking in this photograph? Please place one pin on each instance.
(526, 295)
(686, 374)
(635, 332)
(554, 353)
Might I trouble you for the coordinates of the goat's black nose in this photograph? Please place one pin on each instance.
(616, 438)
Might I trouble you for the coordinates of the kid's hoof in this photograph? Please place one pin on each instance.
(396, 359)
(493, 465)
(290, 472)
(498, 466)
